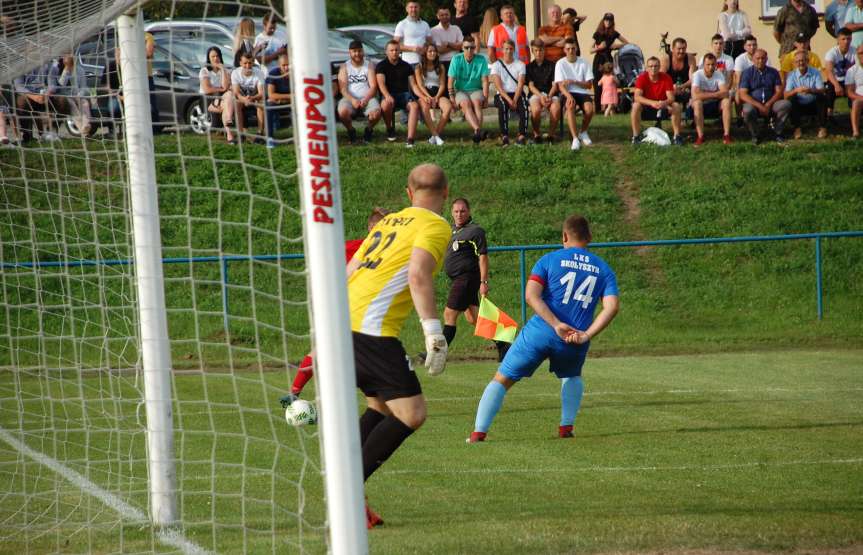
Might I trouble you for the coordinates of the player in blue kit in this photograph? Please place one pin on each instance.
(563, 290)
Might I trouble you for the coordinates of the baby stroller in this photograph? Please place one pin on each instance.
(628, 64)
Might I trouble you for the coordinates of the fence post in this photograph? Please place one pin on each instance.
(818, 278)
(522, 269)
(224, 265)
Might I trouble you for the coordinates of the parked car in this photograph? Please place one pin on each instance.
(379, 35)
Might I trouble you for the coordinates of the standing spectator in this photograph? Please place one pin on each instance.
(801, 44)
(610, 91)
(489, 22)
(244, 40)
(508, 74)
(509, 29)
(654, 100)
(554, 34)
(854, 23)
(467, 82)
(268, 45)
(794, 18)
(32, 103)
(834, 16)
(804, 87)
(215, 81)
(574, 78)
(734, 27)
(761, 92)
(394, 81)
(466, 265)
(680, 66)
(150, 51)
(430, 87)
(837, 62)
(447, 38)
(543, 94)
(606, 39)
(247, 85)
(278, 97)
(111, 86)
(570, 17)
(358, 85)
(710, 99)
(412, 34)
(724, 62)
(68, 82)
(854, 89)
(463, 20)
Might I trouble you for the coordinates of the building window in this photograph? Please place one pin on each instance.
(769, 8)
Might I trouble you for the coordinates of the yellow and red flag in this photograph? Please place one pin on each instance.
(493, 323)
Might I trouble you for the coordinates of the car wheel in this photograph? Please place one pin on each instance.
(198, 118)
(72, 128)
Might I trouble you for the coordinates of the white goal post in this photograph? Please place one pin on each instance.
(137, 407)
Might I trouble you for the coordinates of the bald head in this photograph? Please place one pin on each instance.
(427, 177)
(428, 187)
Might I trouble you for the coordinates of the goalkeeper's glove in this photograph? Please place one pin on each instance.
(436, 346)
(287, 400)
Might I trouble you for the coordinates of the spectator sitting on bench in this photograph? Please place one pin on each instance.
(654, 100)
(804, 87)
(278, 95)
(216, 82)
(358, 85)
(247, 83)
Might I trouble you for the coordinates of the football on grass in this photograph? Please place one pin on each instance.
(301, 413)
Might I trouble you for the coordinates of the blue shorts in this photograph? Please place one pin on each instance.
(402, 100)
(537, 342)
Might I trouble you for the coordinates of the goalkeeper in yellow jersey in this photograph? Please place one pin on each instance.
(393, 269)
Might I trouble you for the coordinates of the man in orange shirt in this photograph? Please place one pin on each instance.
(553, 34)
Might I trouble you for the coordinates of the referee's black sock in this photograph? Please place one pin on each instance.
(382, 442)
(368, 421)
(502, 348)
(449, 333)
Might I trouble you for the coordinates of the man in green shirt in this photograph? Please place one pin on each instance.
(468, 85)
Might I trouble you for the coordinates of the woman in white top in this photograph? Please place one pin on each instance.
(734, 27)
(216, 82)
(508, 74)
(429, 86)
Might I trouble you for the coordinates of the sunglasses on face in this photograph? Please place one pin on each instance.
(469, 48)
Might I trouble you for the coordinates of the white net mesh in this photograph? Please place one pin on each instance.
(73, 461)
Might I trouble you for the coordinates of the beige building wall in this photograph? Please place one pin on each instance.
(643, 21)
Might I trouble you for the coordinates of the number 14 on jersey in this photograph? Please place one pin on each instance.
(584, 292)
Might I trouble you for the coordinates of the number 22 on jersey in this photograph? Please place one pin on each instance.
(584, 292)
(378, 238)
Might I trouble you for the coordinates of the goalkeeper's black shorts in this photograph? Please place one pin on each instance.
(383, 368)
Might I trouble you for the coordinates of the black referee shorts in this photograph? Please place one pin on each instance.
(464, 292)
(383, 368)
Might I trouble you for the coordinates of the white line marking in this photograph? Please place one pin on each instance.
(667, 392)
(618, 468)
(172, 538)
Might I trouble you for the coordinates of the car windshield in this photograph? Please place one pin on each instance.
(191, 48)
(340, 41)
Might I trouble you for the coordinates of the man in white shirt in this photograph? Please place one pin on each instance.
(837, 62)
(359, 87)
(710, 99)
(269, 45)
(741, 64)
(724, 62)
(574, 78)
(247, 83)
(854, 89)
(446, 37)
(413, 34)
(508, 74)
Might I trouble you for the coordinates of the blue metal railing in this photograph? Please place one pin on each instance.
(225, 261)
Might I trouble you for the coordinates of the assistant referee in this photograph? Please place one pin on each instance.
(466, 264)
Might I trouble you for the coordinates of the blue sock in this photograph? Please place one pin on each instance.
(571, 390)
(489, 405)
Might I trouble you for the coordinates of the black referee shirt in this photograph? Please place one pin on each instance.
(465, 247)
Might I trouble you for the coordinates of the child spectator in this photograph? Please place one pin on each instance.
(610, 91)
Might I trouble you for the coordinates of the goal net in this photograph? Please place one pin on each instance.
(155, 291)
